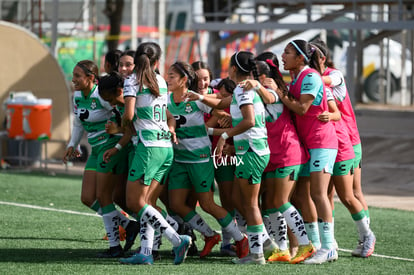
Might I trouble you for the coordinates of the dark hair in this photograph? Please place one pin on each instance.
(271, 69)
(146, 55)
(302, 48)
(322, 50)
(112, 58)
(185, 69)
(268, 55)
(227, 83)
(110, 83)
(89, 68)
(199, 65)
(245, 63)
(129, 53)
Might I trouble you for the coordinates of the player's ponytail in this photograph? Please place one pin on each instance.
(145, 58)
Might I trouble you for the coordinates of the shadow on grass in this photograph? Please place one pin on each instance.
(45, 255)
(88, 256)
(46, 239)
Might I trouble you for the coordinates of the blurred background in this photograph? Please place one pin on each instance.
(371, 42)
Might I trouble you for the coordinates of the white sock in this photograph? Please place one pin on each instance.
(268, 226)
(241, 222)
(123, 220)
(157, 241)
(199, 224)
(363, 228)
(295, 222)
(226, 236)
(173, 222)
(312, 230)
(147, 239)
(156, 220)
(231, 231)
(111, 223)
(278, 225)
(255, 235)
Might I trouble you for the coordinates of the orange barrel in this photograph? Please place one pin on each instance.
(37, 119)
(14, 118)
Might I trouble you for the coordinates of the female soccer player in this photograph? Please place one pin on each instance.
(146, 97)
(91, 115)
(309, 100)
(252, 151)
(126, 63)
(222, 174)
(193, 165)
(287, 157)
(335, 80)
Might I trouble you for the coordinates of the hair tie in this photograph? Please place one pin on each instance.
(314, 47)
(270, 62)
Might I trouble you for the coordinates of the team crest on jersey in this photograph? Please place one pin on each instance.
(93, 104)
(188, 108)
(240, 148)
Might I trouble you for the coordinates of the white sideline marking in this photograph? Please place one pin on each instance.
(96, 215)
(381, 256)
(48, 209)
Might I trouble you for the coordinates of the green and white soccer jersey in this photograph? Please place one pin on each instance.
(194, 145)
(256, 137)
(151, 123)
(92, 112)
(274, 110)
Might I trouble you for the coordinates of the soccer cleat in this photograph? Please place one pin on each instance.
(368, 245)
(323, 255)
(138, 258)
(132, 231)
(242, 247)
(250, 259)
(229, 250)
(304, 252)
(210, 242)
(193, 250)
(268, 247)
(279, 256)
(112, 252)
(182, 250)
(357, 252)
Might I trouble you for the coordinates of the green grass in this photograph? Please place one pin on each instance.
(38, 241)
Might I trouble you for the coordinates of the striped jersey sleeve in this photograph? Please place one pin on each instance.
(255, 137)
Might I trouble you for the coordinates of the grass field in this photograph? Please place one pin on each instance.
(46, 230)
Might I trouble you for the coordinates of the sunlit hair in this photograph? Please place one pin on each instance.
(89, 68)
(323, 50)
(199, 65)
(245, 63)
(184, 69)
(145, 57)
